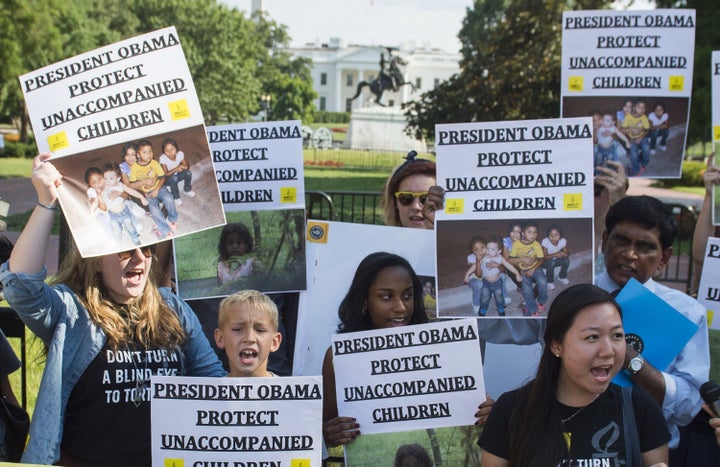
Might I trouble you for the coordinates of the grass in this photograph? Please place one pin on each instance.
(11, 167)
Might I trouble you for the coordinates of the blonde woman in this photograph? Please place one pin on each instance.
(108, 328)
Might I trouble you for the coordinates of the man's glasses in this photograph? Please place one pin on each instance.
(147, 251)
(406, 198)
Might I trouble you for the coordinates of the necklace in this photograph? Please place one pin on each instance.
(565, 420)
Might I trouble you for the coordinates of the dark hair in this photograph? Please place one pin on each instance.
(241, 231)
(167, 141)
(595, 112)
(527, 224)
(351, 309)
(112, 167)
(474, 239)
(125, 148)
(144, 142)
(535, 429)
(411, 166)
(661, 104)
(91, 171)
(647, 212)
(554, 227)
(414, 451)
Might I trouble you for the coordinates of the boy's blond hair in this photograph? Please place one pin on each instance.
(252, 299)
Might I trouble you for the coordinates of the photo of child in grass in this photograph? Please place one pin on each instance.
(261, 250)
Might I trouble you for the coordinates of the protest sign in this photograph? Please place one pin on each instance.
(236, 421)
(409, 377)
(533, 177)
(715, 109)
(709, 288)
(259, 168)
(632, 72)
(92, 110)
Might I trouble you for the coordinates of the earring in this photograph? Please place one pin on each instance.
(557, 355)
(364, 310)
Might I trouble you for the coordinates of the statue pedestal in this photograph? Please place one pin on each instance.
(380, 129)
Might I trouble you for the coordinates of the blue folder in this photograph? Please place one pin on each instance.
(663, 330)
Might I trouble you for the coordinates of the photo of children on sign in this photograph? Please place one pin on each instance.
(131, 194)
(262, 250)
(521, 264)
(646, 134)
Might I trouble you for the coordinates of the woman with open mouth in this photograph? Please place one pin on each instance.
(571, 413)
(107, 328)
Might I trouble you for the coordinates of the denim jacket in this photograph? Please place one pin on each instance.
(57, 317)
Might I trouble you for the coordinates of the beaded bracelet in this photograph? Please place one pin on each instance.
(48, 207)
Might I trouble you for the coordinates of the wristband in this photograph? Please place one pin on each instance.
(48, 207)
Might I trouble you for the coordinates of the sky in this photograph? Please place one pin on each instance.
(369, 22)
(375, 22)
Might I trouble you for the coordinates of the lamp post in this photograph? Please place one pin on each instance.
(266, 98)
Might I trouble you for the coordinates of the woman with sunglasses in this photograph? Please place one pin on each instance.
(405, 194)
(107, 327)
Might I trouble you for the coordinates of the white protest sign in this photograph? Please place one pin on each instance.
(259, 166)
(709, 288)
(125, 119)
(409, 377)
(236, 421)
(633, 71)
(113, 94)
(533, 175)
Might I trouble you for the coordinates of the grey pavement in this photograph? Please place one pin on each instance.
(20, 194)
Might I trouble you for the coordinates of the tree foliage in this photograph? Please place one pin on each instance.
(233, 59)
(510, 68)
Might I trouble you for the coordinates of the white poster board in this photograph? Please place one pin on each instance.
(496, 174)
(715, 109)
(610, 57)
(236, 421)
(709, 288)
(87, 108)
(409, 377)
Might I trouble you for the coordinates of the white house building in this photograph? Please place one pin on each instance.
(337, 70)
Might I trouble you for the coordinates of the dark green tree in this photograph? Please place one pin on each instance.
(510, 68)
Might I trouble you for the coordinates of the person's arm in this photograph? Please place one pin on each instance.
(469, 272)
(715, 424)
(657, 457)
(622, 136)
(704, 227)
(28, 255)
(488, 459)
(336, 430)
(508, 265)
(135, 193)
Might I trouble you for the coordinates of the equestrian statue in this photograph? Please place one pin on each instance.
(388, 79)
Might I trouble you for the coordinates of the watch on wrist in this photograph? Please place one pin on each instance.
(635, 364)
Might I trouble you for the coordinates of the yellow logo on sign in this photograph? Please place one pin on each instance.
(179, 110)
(454, 206)
(572, 202)
(288, 194)
(576, 83)
(677, 83)
(58, 141)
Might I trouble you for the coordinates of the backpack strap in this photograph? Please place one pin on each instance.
(633, 456)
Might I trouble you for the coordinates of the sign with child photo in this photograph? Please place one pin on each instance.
(259, 168)
(236, 421)
(517, 223)
(125, 129)
(631, 71)
(715, 109)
